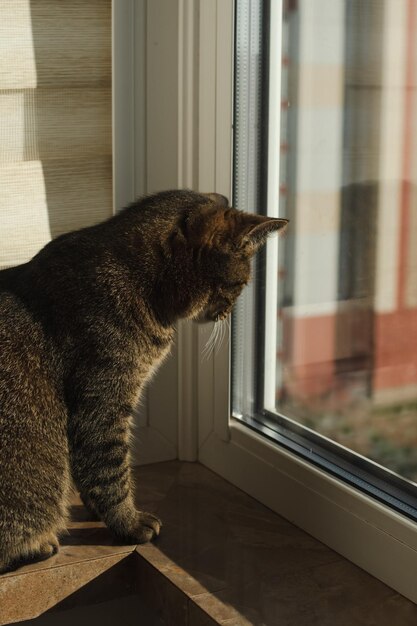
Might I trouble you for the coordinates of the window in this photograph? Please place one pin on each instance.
(251, 426)
(325, 341)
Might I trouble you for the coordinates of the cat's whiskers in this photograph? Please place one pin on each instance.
(216, 338)
(222, 334)
(209, 347)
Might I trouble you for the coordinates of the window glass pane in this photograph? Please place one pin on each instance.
(249, 178)
(345, 333)
(349, 306)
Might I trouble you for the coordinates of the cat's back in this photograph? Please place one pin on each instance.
(12, 310)
(24, 352)
(9, 278)
(14, 318)
(33, 445)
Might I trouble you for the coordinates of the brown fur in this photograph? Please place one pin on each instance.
(82, 327)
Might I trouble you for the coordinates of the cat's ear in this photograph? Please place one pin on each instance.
(255, 229)
(218, 199)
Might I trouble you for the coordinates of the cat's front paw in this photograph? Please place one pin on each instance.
(149, 527)
(146, 528)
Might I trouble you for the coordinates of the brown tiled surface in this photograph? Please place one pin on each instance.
(221, 558)
(77, 574)
(35, 592)
(239, 563)
(86, 540)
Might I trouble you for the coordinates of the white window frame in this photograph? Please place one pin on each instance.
(195, 393)
(146, 148)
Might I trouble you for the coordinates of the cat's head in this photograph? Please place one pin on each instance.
(208, 252)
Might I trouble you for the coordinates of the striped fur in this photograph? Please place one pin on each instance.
(83, 326)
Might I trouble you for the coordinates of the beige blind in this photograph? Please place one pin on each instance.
(55, 121)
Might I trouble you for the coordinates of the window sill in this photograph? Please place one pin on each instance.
(222, 558)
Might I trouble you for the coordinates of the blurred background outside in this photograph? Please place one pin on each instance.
(347, 301)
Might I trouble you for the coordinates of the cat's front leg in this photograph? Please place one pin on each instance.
(99, 444)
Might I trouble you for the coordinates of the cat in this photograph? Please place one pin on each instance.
(83, 326)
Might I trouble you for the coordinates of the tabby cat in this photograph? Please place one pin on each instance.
(83, 326)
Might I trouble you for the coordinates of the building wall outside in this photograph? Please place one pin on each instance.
(351, 320)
